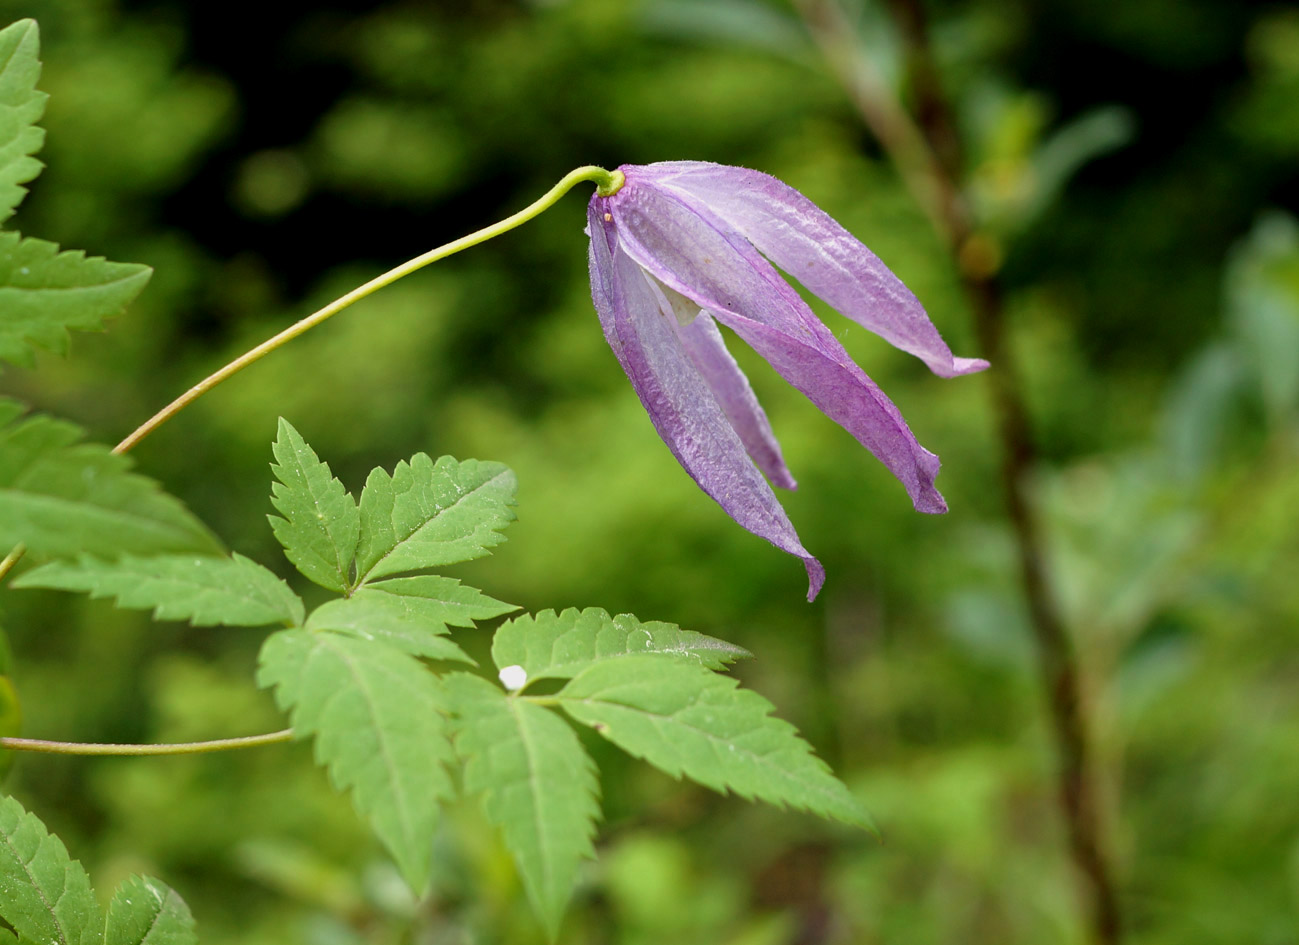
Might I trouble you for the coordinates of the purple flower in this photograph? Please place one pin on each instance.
(681, 247)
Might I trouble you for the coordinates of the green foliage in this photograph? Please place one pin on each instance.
(321, 522)
(21, 106)
(46, 897)
(145, 911)
(426, 515)
(685, 719)
(537, 784)
(204, 589)
(61, 497)
(558, 646)
(351, 679)
(44, 292)
(377, 717)
(913, 671)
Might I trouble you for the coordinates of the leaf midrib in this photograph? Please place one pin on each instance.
(380, 733)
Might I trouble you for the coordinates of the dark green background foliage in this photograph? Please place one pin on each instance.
(262, 164)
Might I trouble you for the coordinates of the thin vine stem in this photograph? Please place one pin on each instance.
(181, 748)
(11, 559)
(608, 182)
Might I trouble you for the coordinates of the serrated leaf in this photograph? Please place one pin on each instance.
(685, 719)
(206, 590)
(21, 106)
(146, 911)
(61, 497)
(426, 515)
(321, 522)
(389, 620)
(44, 292)
(376, 714)
(410, 613)
(443, 599)
(558, 646)
(46, 895)
(537, 784)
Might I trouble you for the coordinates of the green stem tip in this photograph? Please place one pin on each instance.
(611, 183)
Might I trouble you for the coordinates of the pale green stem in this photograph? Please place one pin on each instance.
(11, 559)
(183, 748)
(608, 183)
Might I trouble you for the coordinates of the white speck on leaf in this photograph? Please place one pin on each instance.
(514, 677)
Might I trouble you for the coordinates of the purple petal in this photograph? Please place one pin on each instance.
(846, 395)
(686, 250)
(641, 329)
(703, 342)
(806, 242)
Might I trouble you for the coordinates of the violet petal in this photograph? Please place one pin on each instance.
(723, 275)
(810, 245)
(640, 327)
(703, 342)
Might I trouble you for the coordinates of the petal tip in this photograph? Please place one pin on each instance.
(962, 366)
(930, 502)
(815, 577)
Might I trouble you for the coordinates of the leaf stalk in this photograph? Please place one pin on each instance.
(182, 748)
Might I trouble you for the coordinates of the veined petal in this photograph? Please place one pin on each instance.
(810, 245)
(846, 395)
(677, 240)
(722, 274)
(641, 329)
(703, 342)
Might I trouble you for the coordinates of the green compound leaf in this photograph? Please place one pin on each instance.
(21, 106)
(206, 590)
(685, 719)
(558, 646)
(537, 784)
(377, 717)
(427, 515)
(60, 496)
(44, 894)
(321, 522)
(43, 293)
(146, 911)
(386, 619)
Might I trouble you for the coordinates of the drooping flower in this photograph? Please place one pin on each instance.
(683, 246)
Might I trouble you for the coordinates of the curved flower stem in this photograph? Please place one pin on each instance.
(183, 748)
(926, 153)
(607, 182)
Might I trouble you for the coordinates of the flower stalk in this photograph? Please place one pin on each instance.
(607, 182)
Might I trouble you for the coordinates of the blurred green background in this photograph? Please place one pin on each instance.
(1134, 167)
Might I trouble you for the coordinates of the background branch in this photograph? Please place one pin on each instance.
(927, 154)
